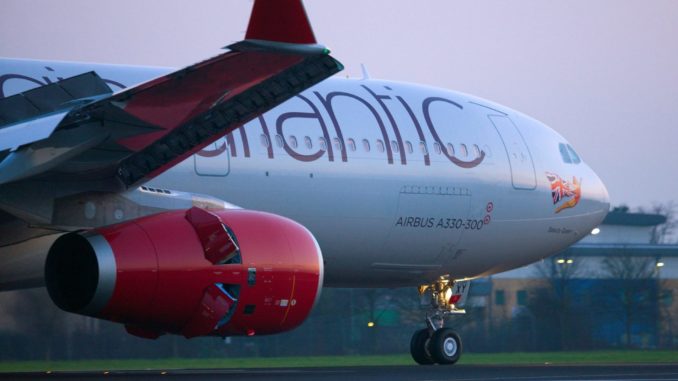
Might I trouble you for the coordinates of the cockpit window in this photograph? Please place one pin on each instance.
(573, 155)
(564, 154)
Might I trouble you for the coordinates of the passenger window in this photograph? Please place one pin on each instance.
(564, 154)
(394, 146)
(337, 144)
(450, 149)
(408, 145)
(308, 142)
(293, 141)
(264, 141)
(573, 155)
(380, 145)
(322, 143)
(463, 150)
(366, 145)
(279, 140)
(422, 146)
(351, 144)
(436, 148)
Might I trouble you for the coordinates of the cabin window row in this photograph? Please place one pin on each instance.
(461, 150)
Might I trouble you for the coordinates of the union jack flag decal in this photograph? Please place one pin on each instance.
(562, 189)
(559, 187)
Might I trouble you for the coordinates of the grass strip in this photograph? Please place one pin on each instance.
(518, 358)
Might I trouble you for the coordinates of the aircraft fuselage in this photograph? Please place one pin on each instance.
(399, 183)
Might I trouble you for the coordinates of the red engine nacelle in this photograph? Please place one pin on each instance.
(195, 273)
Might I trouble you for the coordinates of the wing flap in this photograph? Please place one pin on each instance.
(151, 127)
(62, 146)
(35, 114)
(14, 109)
(32, 130)
(224, 111)
(171, 101)
(49, 98)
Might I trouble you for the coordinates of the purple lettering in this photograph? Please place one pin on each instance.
(231, 144)
(427, 158)
(7, 77)
(426, 106)
(214, 152)
(399, 140)
(306, 115)
(245, 143)
(327, 103)
(110, 82)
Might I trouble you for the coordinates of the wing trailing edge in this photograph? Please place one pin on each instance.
(144, 130)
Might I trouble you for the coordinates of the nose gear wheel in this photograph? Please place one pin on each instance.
(437, 344)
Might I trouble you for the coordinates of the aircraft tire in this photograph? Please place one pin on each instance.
(418, 347)
(445, 346)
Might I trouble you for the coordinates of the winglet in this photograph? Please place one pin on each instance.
(280, 21)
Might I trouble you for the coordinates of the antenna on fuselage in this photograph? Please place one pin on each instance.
(366, 74)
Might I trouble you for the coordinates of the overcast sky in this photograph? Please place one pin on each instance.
(602, 73)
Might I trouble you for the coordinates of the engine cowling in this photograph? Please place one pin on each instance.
(194, 273)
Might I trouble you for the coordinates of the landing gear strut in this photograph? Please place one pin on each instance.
(436, 344)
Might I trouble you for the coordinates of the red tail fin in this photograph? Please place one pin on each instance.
(280, 21)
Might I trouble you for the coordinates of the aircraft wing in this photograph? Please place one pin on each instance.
(77, 128)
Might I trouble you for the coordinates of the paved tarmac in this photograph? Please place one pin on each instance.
(391, 373)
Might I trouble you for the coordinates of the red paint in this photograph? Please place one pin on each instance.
(213, 306)
(170, 101)
(455, 298)
(280, 21)
(217, 243)
(166, 284)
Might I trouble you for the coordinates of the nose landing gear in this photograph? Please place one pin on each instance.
(436, 344)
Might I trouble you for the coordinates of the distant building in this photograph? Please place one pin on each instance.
(616, 282)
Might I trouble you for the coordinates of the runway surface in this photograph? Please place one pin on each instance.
(391, 373)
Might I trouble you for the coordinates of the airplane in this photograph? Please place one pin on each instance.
(219, 199)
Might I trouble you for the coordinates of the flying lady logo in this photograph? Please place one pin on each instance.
(565, 195)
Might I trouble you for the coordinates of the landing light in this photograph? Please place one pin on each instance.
(569, 261)
(560, 261)
(370, 324)
(595, 231)
(448, 293)
(660, 264)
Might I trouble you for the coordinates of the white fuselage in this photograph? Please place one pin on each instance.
(399, 183)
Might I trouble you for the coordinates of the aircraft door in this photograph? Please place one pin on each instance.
(429, 225)
(213, 160)
(520, 159)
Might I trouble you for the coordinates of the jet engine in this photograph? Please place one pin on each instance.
(192, 272)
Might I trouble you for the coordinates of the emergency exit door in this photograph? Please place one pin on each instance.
(213, 160)
(522, 167)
